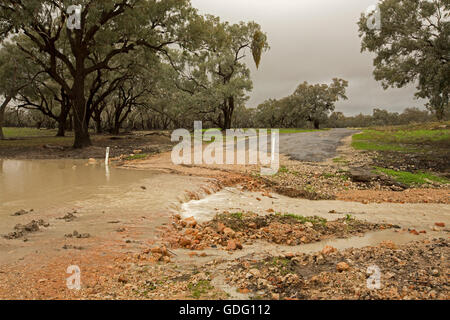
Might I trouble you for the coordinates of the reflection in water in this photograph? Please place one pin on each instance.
(30, 184)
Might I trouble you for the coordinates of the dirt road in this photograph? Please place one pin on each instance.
(313, 146)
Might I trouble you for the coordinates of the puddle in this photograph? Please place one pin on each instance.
(137, 202)
(35, 184)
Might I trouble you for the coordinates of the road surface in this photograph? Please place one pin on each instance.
(313, 146)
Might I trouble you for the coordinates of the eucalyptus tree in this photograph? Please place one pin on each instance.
(17, 72)
(268, 114)
(412, 45)
(215, 74)
(314, 102)
(112, 27)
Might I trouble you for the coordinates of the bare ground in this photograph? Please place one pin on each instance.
(142, 258)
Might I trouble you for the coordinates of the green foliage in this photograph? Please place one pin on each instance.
(214, 76)
(308, 103)
(237, 215)
(200, 288)
(16, 133)
(314, 220)
(412, 46)
(258, 45)
(400, 139)
(408, 178)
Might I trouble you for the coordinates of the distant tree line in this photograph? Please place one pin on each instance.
(264, 117)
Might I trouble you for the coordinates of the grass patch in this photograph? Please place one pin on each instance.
(340, 160)
(200, 288)
(32, 137)
(283, 169)
(279, 262)
(409, 178)
(402, 138)
(237, 215)
(303, 220)
(28, 132)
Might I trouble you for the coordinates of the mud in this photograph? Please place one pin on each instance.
(125, 144)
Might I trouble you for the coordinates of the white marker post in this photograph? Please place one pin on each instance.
(107, 164)
(107, 156)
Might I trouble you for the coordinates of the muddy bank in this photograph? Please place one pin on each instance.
(126, 144)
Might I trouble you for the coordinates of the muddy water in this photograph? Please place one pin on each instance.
(420, 216)
(39, 184)
(104, 201)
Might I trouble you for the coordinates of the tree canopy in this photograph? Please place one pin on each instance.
(412, 46)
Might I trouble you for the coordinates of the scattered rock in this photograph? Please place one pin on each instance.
(22, 230)
(229, 232)
(69, 217)
(21, 213)
(190, 222)
(342, 266)
(69, 246)
(77, 235)
(328, 250)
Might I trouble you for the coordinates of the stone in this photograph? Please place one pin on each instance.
(388, 244)
(220, 227)
(255, 273)
(361, 175)
(231, 245)
(190, 222)
(328, 250)
(342, 266)
(229, 232)
(184, 242)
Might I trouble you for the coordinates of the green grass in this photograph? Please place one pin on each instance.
(303, 220)
(27, 132)
(340, 160)
(237, 215)
(283, 169)
(402, 139)
(200, 288)
(409, 178)
(279, 262)
(31, 137)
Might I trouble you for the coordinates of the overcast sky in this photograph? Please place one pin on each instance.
(314, 41)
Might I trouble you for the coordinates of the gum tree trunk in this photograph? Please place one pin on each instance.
(82, 138)
(2, 115)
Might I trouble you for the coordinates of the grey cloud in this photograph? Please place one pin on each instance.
(314, 41)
